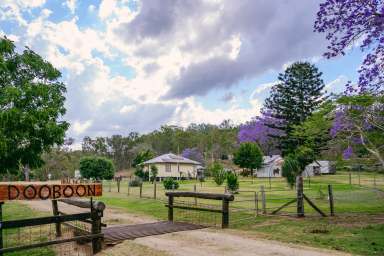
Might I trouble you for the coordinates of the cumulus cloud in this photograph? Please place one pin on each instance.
(221, 42)
(179, 50)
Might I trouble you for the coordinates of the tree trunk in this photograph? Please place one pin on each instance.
(26, 171)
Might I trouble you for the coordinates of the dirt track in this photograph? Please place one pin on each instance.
(207, 242)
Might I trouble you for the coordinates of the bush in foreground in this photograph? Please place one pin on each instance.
(136, 182)
(218, 173)
(232, 182)
(170, 183)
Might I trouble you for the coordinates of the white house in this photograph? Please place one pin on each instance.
(319, 167)
(271, 167)
(171, 165)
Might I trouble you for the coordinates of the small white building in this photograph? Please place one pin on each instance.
(271, 167)
(318, 168)
(171, 165)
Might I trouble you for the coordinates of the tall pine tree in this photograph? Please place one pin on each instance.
(293, 99)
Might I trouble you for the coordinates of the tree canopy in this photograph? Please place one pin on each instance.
(347, 22)
(31, 108)
(293, 99)
(96, 168)
(249, 155)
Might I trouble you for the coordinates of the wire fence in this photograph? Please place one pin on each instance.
(27, 236)
(353, 193)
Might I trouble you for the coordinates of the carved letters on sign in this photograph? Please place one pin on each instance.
(48, 191)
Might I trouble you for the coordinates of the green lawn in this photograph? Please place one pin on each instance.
(13, 237)
(358, 226)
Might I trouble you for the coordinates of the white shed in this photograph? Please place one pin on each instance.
(319, 167)
(271, 167)
(171, 165)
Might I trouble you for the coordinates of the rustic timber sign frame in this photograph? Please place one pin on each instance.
(225, 198)
(48, 191)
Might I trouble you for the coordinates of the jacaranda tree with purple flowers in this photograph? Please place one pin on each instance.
(259, 130)
(350, 22)
(359, 120)
(193, 154)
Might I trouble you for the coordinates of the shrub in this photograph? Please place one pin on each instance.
(154, 172)
(218, 173)
(249, 155)
(170, 183)
(96, 168)
(136, 182)
(232, 182)
(290, 169)
(139, 172)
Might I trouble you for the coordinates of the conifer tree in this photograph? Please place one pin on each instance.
(298, 93)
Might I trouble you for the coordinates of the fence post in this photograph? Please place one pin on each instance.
(263, 201)
(110, 185)
(270, 183)
(330, 197)
(96, 229)
(154, 188)
(128, 189)
(55, 210)
(194, 190)
(359, 174)
(1, 228)
(350, 178)
(256, 203)
(300, 197)
(225, 217)
(118, 184)
(141, 189)
(374, 180)
(170, 208)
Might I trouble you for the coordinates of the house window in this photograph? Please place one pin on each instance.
(168, 167)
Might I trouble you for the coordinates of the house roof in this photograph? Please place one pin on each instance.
(271, 159)
(171, 158)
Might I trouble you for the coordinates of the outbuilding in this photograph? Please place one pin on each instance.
(319, 167)
(271, 167)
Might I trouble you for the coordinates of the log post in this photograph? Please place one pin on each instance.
(300, 196)
(118, 184)
(194, 190)
(263, 201)
(1, 228)
(225, 217)
(330, 197)
(96, 229)
(128, 188)
(55, 209)
(154, 188)
(350, 178)
(256, 203)
(141, 189)
(170, 208)
(110, 186)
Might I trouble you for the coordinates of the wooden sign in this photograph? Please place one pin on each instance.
(48, 191)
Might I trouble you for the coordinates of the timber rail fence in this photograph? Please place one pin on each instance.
(25, 234)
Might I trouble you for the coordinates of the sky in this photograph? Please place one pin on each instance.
(133, 65)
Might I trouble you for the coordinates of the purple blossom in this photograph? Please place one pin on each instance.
(193, 154)
(346, 22)
(347, 153)
(260, 130)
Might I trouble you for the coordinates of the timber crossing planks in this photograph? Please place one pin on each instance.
(118, 233)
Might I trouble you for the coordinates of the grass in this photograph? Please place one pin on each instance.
(15, 211)
(358, 226)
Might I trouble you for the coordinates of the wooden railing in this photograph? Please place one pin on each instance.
(225, 198)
